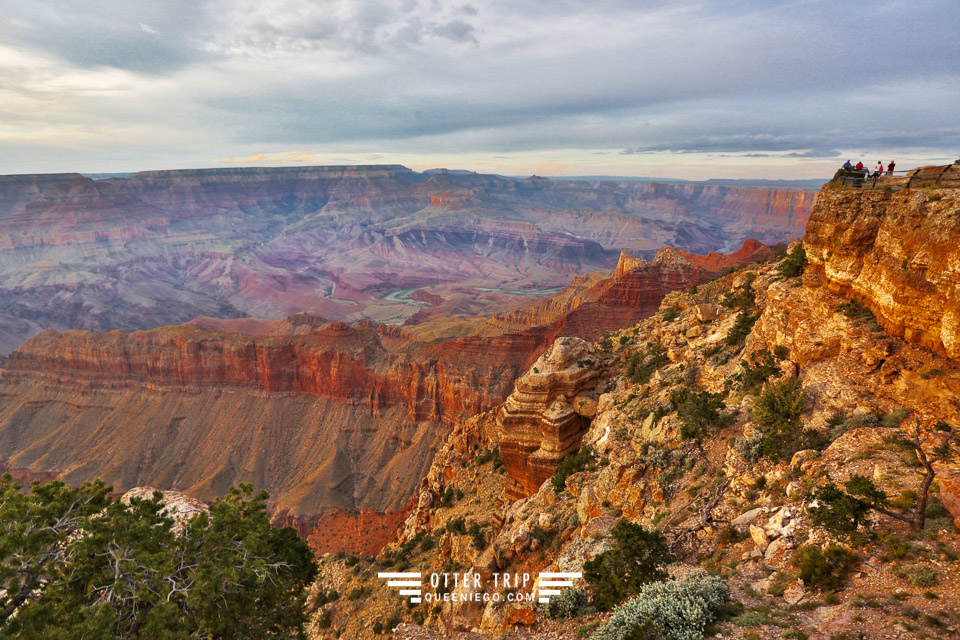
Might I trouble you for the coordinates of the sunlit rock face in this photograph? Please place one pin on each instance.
(897, 253)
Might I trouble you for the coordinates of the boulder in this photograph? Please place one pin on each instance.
(748, 517)
(759, 536)
(706, 312)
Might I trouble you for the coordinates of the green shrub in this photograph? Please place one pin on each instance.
(642, 364)
(356, 593)
(741, 328)
(636, 559)
(478, 535)
(669, 314)
(569, 604)
(447, 497)
(456, 525)
(792, 266)
(780, 404)
(570, 465)
(699, 411)
(756, 372)
(919, 575)
(750, 449)
(777, 410)
(824, 568)
(842, 512)
(677, 609)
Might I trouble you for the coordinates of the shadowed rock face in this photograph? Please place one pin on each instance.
(897, 253)
(165, 247)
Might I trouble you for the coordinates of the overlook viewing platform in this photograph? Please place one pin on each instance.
(929, 177)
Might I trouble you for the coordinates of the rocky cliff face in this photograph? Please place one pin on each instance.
(897, 253)
(542, 421)
(723, 491)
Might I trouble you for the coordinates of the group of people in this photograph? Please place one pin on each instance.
(877, 170)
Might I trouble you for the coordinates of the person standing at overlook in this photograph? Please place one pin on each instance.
(877, 170)
(890, 167)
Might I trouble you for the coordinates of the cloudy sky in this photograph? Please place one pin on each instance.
(755, 88)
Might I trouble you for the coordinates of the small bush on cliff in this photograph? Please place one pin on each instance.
(478, 535)
(569, 604)
(570, 465)
(76, 563)
(792, 266)
(636, 559)
(699, 411)
(824, 568)
(642, 364)
(757, 370)
(741, 328)
(677, 609)
(777, 411)
(669, 314)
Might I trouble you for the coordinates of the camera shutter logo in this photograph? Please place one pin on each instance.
(550, 584)
(409, 583)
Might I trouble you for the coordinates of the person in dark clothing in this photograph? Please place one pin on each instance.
(890, 167)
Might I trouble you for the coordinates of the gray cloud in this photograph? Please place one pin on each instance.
(791, 79)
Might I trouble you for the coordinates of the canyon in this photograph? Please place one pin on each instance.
(165, 247)
(337, 421)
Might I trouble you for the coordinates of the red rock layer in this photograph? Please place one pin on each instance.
(346, 416)
(751, 251)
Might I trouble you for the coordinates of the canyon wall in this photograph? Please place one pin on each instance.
(164, 247)
(338, 422)
(895, 252)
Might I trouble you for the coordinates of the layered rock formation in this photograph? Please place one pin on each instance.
(897, 253)
(324, 415)
(850, 401)
(542, 421)
(164, 247)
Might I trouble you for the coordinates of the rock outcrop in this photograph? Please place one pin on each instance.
(544, 418)
(897, 253)
(177, 506)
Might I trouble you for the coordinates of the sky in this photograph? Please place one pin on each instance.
(694, 90)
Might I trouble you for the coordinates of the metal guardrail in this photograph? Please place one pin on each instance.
(926, 176)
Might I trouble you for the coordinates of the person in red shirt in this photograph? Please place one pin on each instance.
(859, 166)
(890, 167)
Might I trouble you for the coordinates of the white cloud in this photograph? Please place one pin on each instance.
(423, 78)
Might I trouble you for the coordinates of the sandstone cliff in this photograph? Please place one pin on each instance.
(897, 252)
(542, 421)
